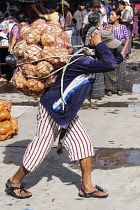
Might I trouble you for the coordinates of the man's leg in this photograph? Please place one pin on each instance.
(16, 180)
(87, 186)
(81, 148)
(36, 151)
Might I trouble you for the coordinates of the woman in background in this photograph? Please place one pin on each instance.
(115, 80)
(97, 88)
(126, 19)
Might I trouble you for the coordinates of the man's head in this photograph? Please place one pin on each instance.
(96, 6)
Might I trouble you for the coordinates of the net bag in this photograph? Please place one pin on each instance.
(42, 49)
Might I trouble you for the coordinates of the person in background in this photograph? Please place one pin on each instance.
(93, 24)
(135, 25)
(66, 22)
(126, 19)
(31, 13)
(128, 7)
(13, 13)
(97, 91)
(53, 17)
(94, 8)
(103, 10)
(110, 7)
(83, 9)
(14, 35)
(88, 7)
(3, 9)
(14, 32)
(68, 19)
(115, 80)
(8, 70)
(78, 19)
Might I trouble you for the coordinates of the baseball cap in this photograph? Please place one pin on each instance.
(108, 38)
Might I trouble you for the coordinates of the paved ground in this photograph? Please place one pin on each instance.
(115, 132)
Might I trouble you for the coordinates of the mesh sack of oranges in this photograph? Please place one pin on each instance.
(42, 49)
(8, 124)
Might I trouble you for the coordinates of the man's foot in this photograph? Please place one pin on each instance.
(96, 192)
(17, 190)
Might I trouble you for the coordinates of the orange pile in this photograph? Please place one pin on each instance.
(8, 124)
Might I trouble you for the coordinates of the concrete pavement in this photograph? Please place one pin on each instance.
(114, 128)
(56, 182)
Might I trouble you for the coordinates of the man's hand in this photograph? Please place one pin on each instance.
(95, 38)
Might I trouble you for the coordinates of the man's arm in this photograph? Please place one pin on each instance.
(90, 65)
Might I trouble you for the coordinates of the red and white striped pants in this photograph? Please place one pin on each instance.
(76, 140)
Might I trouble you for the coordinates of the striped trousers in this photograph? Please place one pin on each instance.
(76, 140)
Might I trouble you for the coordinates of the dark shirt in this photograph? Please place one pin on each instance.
(77, 83)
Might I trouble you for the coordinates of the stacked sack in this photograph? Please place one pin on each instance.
(8, 124)
(38, 41)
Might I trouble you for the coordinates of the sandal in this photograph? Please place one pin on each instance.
(96, 101)
(10, 190)
(92, 194)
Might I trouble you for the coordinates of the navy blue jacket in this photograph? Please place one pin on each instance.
(77, 83)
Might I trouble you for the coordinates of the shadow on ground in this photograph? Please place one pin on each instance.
(51, 166)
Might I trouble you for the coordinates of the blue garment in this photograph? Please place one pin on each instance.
(73, 39)
(77, 83)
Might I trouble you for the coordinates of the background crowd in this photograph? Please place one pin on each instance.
(79, 19)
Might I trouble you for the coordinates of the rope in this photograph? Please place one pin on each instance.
(57, 56)
(33, 77)
(64, 68)
(63, 8)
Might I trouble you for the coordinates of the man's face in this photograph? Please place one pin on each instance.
(95, 9)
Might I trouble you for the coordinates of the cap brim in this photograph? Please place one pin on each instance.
(113, 44)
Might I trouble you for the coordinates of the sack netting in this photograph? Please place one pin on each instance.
(42, 49)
